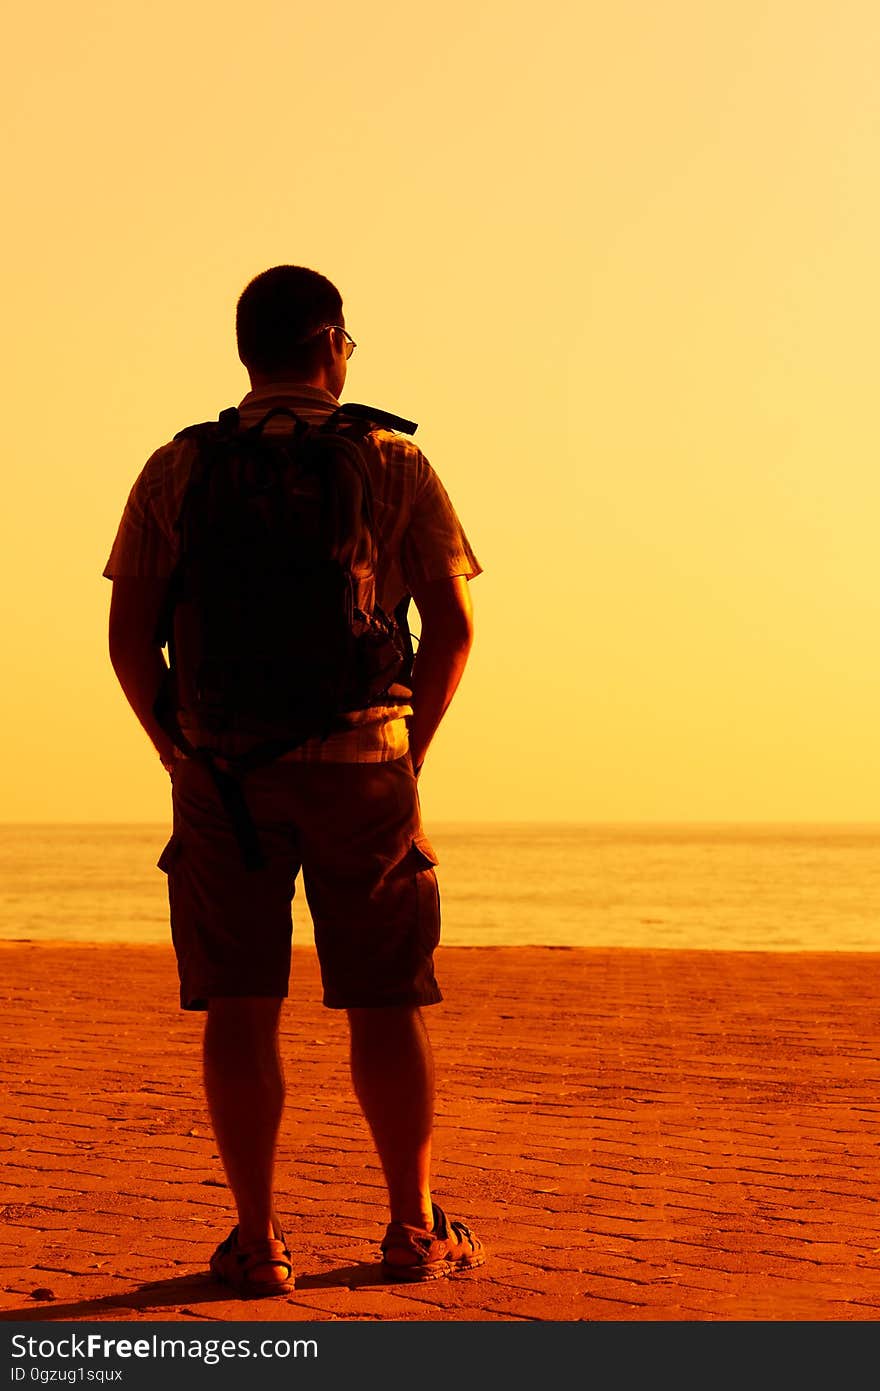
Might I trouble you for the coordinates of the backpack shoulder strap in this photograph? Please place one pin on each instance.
(367, 419)
(225, 425)
(371, 417)
(228, 423)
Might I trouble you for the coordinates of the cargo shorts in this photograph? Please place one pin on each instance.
(354, 829)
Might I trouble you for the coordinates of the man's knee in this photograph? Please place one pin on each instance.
(383, 1020)
(245, 1018)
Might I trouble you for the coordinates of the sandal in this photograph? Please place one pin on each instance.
(429, 1255)
(259, 1268)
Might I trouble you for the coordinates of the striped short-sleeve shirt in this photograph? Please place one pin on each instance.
(419, 538)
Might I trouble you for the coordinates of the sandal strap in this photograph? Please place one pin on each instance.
(461, 1229)
(415, 1238)
(419, 1242)
(268, 1252)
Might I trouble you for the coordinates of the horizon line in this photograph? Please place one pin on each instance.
(519, 821)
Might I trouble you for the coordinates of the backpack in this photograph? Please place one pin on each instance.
(272, 624)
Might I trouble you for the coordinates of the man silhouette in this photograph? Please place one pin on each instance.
(344, 809)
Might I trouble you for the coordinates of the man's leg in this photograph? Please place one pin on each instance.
(244, 1086)
(392, 1069)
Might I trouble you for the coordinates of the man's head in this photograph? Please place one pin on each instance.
(290, 327)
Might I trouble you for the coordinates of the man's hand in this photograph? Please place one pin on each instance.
(137, 658)
(447, 635)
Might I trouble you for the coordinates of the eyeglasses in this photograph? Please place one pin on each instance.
(350, 344)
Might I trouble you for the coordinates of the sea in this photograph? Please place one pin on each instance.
(710, 887)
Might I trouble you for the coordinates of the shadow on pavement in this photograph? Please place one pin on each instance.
(352, 1277)
(181, 1291)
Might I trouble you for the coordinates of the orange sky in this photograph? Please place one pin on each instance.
(620, 264)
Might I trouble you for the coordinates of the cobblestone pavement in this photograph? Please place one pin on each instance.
(634, 1134)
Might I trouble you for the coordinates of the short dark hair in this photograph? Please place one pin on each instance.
(278, 312)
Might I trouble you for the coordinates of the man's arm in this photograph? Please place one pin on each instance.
(135, 653)
(447, 634)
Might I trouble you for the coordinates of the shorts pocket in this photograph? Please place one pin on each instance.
(427, 894)
(170, 855)
(424, 850)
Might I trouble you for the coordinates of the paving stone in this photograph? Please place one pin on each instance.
(636, 1135)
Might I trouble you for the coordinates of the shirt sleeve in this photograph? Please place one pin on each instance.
(142, 548)
(434, 545)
